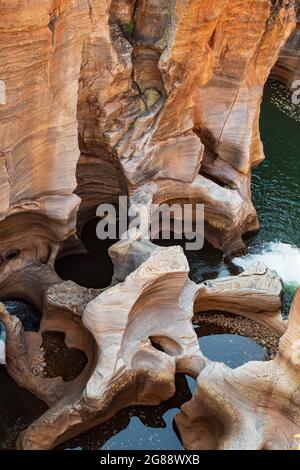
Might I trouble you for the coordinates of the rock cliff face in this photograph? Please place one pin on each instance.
(287, 68)
(159, 100)
(167, 92)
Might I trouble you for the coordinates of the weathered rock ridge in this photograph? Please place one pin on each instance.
(158, 100)
(136, 335)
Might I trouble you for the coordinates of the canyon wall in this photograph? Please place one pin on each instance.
(119, 94)
(158, 99)
(287, 68)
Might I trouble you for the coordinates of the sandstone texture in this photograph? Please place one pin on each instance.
(120, 94)
(136, 336)
(287, 68)
(160, 101)
(253, 407)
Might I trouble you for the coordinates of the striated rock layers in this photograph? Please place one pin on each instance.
(153, 91)
(159, 100)
(287, 68)
(136, 336)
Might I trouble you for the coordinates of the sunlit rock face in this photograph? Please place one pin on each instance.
(140, 91)
(155, 99)
(287, 67)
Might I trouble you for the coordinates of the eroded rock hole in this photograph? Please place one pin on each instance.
(12, 254)
(234, 340)
(165, 344)
(92, 269)
(55, 359)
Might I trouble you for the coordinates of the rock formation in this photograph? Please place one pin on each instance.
(253, 407)
(136, 335)
(287, 68)
(245, 295)
(123, 79)
(159, 100)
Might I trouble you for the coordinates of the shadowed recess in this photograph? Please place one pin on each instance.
(93, 269)
(60, 360)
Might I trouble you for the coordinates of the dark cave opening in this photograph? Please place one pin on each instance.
(93, 269)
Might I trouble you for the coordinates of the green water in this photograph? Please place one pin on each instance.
(276, 182)
(276, 196)
(276, 190)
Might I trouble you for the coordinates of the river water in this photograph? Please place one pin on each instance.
(276, 194)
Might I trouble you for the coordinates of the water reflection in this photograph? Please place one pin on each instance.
(153, 427)
(138, 427)
(18, 408)
(232, 349)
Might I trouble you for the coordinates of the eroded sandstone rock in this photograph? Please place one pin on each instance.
(255, 406)
(122, 326)
(160, 100)
(136, 335)
(287, 67)
(151, 91)
(256, 293)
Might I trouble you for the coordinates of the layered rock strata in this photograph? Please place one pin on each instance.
(142, 92)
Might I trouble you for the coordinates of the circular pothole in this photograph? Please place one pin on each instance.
(234, 340)
(55, 359)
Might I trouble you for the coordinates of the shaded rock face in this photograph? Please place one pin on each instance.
(159, 100)
(287, 68)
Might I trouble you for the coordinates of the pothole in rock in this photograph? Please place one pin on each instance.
(18, 409)
(29, 315)
(139, 427)
(234, 340)
(93, 269)
(55, 359)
